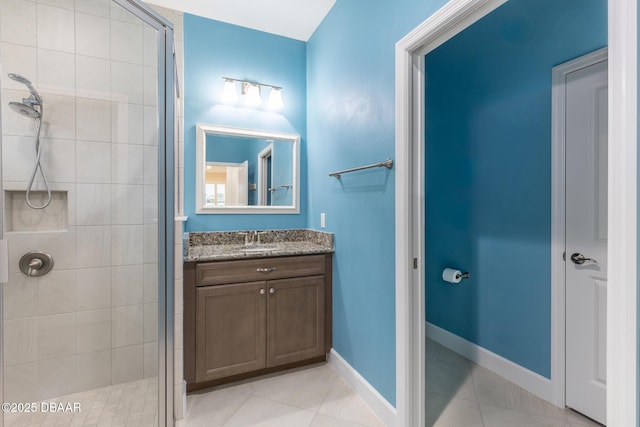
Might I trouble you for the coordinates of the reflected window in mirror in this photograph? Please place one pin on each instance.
(246, 171)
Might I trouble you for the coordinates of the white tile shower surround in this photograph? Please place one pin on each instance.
(462, 394)
(94, 317)
(128, 404)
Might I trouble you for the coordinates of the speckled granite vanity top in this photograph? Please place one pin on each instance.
(214, 246)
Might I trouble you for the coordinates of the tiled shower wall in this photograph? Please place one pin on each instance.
(92, 321)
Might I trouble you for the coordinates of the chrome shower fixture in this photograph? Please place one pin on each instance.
(34, 93)
(32, 108)
(25, 109)
(28, 105)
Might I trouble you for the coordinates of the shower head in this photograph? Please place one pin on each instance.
(20, 79)
(25, 110)
(25, 81)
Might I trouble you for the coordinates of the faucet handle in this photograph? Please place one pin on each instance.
(246, 236)
(260, 233)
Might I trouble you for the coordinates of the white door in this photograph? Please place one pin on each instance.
(586, 240)
(237, 185)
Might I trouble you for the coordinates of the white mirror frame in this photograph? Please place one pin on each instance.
(202, 130)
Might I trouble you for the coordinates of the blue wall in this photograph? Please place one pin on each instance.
(351, 122)
(228, 149)
(489, 172)
(213, 50)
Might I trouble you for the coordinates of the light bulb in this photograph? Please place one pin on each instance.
(275, 99)
(229, 94)
(252, 97)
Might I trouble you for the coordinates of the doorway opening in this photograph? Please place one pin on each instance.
(265, 175)
(621, 300)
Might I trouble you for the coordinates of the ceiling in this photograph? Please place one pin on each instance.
(296, 19)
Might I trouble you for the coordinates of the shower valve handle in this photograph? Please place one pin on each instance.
(35, 264)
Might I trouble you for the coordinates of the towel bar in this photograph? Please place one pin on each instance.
(387, 164)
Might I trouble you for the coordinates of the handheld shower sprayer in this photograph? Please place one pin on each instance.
(25, 81)
(32, 108)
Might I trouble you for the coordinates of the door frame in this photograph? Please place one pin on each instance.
(166, 210)
(622, 304)
(558, 216)
(263, 186)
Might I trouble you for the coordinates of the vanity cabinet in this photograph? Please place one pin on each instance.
(252, 316)
(230, 332)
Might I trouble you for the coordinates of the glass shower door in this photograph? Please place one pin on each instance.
(83, 126)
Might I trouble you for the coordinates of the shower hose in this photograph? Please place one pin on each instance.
(37, 167)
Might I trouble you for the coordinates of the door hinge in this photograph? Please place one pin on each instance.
(564, 256)
(415, 263)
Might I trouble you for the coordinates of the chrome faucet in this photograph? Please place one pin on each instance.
(246, 235)
(252, 237)
(258, 234)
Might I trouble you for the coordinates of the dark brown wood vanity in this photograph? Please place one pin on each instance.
(247, 317)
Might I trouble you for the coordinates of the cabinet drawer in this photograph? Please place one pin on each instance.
(248, 270)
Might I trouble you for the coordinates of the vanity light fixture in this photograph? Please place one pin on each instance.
(229, 94)
(251, 93)
(275, 99)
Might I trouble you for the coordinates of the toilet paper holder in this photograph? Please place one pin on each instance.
(451, 275)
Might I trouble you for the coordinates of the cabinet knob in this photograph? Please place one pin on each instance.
(262, 291)
(272, 291)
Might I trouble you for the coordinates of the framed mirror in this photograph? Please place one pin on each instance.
(246, 171)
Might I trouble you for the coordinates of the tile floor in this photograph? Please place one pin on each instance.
(462, 394)
(128, 404)
(459, 394)
(307, 397)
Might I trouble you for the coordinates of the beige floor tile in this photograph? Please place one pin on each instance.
(108, 406)
(433, 349)
(445, 411)
(495, 416)
(327, 421)
(450, 377)
(341, 402)
(495, 390)
(578, 419)
(258, 412)
(214, 408)
(305, 389)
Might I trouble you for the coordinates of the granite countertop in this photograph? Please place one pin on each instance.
(215, 246)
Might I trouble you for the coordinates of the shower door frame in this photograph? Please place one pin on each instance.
(166, 69)
(1, 283)
(165, 108)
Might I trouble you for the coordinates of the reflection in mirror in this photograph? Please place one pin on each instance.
(246, 171)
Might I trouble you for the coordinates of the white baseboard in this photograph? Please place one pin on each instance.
(528, 380)
(362, 388)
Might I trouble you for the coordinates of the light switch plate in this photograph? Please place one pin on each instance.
(323, 222)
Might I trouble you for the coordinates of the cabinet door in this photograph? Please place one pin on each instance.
(230, 330)
(295, 319)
